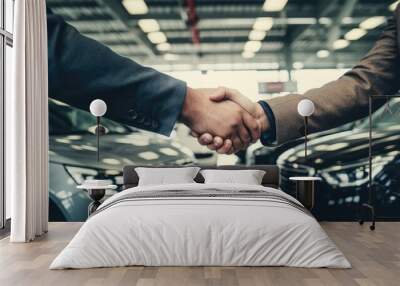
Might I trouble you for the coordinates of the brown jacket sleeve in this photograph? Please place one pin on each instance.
(345, 99)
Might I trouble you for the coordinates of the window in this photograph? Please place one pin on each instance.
(6, 42)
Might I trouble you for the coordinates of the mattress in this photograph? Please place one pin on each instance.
(201, 225)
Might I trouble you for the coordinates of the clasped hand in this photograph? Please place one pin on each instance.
(223, 119)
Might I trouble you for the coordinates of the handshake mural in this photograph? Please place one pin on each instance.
(223, 119)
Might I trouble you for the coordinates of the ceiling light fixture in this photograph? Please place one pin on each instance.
(247, 55)
(301, 21)
(393, 6)
(256, 35)
(347, 20)
(149, 25)
(298, 65)
(355, 34)
(263, 23)
(252, 46)
(274, 5)
(325, 21)
(171, 57)
(135, 7)
(323, 54)
(157, 37)
(340, 66)
(372, 23)
(340, 44)
(163, 47)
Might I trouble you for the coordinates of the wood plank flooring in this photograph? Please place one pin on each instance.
(375, 257)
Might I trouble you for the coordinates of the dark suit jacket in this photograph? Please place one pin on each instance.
(81, 69)
(347, 98)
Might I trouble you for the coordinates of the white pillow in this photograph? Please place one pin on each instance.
(164, 176)
(248, 177)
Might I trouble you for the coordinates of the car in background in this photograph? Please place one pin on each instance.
(257, 154)
(342, 161)
(203, 155)
(73, 156)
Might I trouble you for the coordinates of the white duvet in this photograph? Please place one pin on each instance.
(187, 231)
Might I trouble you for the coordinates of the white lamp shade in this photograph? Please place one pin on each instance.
(305, 107)
(98, 107)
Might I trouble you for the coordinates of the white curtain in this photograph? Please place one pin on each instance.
(27, 124)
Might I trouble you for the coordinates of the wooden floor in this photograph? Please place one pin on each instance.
(375, 257)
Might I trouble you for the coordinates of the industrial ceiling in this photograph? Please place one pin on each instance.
(232, 35)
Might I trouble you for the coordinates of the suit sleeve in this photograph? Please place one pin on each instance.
(347, 98)
(81, 69)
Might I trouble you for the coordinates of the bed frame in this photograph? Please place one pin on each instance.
(270, 179)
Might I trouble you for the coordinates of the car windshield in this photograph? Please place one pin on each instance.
(386, 116)
(64, 119)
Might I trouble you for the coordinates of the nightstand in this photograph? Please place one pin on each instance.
(96, 190)
(305, 190)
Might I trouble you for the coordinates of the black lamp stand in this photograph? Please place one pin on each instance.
(305, 137)
(369, 205)
(98, 137)
(96, 195)
(100, 130)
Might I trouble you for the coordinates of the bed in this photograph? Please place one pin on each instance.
(197, 224)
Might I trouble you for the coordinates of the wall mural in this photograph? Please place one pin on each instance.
(339, 156)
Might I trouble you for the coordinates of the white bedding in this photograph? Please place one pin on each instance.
(183, 231)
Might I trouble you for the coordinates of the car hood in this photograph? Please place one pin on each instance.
(117, 151)
(266, 150)
(343, 148)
